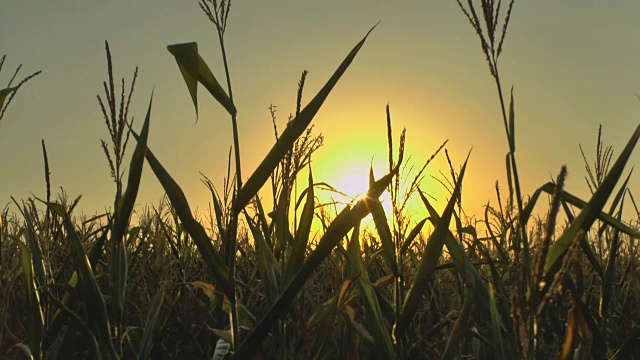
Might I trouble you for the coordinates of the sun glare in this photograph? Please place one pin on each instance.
(354, 186)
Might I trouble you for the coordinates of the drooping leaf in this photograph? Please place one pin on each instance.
(194, 69)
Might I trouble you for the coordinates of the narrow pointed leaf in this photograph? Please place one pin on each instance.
(428, 261)
(341, 225)
(609, 275)
(216, 267)
(267, 262)
(69, 299)
(301, 238)
(89, 290)
(579, 203)
(412, 235)
(151, 323)
(128, 200)
(380, 220)
(294, 129)
(118, 274)
(32, 297)
(593, 208)
(374, 318)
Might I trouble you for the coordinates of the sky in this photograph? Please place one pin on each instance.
(573, 65)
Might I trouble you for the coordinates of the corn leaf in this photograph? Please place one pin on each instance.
(301, 238)
(345, 221)
(267, 262)
(151, 323)
(118, 274)
(428, 261)
(69, 299)
(216, 267)
(89, 290)
(194, 69)
(374, 317)
(380, 220)
(294, 129)
(412, 235)
(591, 210)
(34, 316)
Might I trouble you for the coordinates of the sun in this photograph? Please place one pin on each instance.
(354, 186)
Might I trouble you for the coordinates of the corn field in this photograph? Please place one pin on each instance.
(274, 273)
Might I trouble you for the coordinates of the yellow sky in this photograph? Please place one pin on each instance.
(573, 65)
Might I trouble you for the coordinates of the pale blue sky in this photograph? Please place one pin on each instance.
(574, 65)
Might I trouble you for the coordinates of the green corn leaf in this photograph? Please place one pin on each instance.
(428, 261)
(150, 326)
(302, 235)
(380, 220)
(461, 326)
(498, 345)
(69, 299)
(494, 239)
(324, 317)
(218, 213)
(606, 288)
(262, 221)
(89, 290)
(267, 262)
(345, 221)
(374, 318)
(35, 316)
(281, 220)
(592, 209)
(412, 235)
(294, 129)
(216, 267)
(127, 202)
(584, 244)
(579, 203)
(460, 259)
(33, 240)
(118, 274)
(194, 69)
(615, 202)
